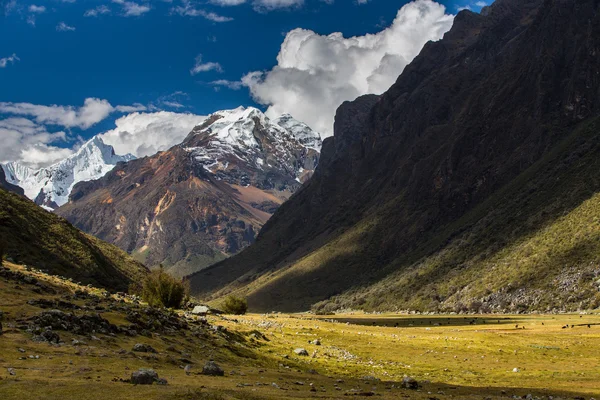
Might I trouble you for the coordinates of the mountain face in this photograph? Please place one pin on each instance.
(470, 184)
(50, 187)
(32, 236)
(204, 199)
(8, 186)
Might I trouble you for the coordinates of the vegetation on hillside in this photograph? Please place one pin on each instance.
(41, 239)
(162, 290)
(235, 305)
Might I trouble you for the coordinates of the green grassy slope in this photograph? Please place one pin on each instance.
(41, 239)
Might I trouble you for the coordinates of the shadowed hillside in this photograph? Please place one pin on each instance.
(35, 237)
(469, 184)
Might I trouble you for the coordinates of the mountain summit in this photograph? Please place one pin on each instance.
(50, 187)
(204, 199)
(470, 184)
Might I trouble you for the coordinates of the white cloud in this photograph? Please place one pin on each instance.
(94, 12)
(143, 134)
(132, 108)
(29, 143)
(263, 5)
(37, 9)
(315, 73)
(199, 66)
(93, 111)
(132, 9)
(10, 59)
(63, 27)
(189, 10)
(233, 85)
(269, 5)
(227, 3)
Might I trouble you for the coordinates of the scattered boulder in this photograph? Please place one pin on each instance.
(316, 342)
(144, 376)
(143, 348)
(161, 381)
(410, 383)
(80, 325)
(50, 336)
(11, 371)
(188, 369)
(211, 368)
(301, 352)
(200, 310)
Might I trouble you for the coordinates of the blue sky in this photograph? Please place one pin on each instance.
(141, 54)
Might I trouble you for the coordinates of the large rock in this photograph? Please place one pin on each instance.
(144, 376)
(143, 348)
(301, 352)
(200, 310)
(211, 368)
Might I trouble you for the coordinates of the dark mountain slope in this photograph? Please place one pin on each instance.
(35, 237)
(422, 171)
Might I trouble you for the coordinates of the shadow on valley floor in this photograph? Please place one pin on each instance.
(512, 322)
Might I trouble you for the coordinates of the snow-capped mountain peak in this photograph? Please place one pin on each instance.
(51, 186)
(243, 144)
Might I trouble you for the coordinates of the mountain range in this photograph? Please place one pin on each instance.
(204, 199)
(50, 187)
(470, 185)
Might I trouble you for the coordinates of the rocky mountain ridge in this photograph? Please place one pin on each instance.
(204, 199)
(50, 187)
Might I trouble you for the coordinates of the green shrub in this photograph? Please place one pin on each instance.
(162, 290)
(235, 305)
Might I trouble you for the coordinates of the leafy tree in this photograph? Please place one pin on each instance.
(162, 290)
(235, 305)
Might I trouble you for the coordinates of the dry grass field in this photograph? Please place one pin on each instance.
(352, 355)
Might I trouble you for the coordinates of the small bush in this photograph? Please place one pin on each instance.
(162, 290)
(235, 305)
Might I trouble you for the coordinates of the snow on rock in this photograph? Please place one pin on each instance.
(50, 187)
(245, 147)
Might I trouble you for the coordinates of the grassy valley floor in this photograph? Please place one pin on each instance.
(459, 357)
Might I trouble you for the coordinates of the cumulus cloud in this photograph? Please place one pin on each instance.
(315, 73)
(29, 143)
(144, 134)
(93, 111)
(10, 59)
(132, 9)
